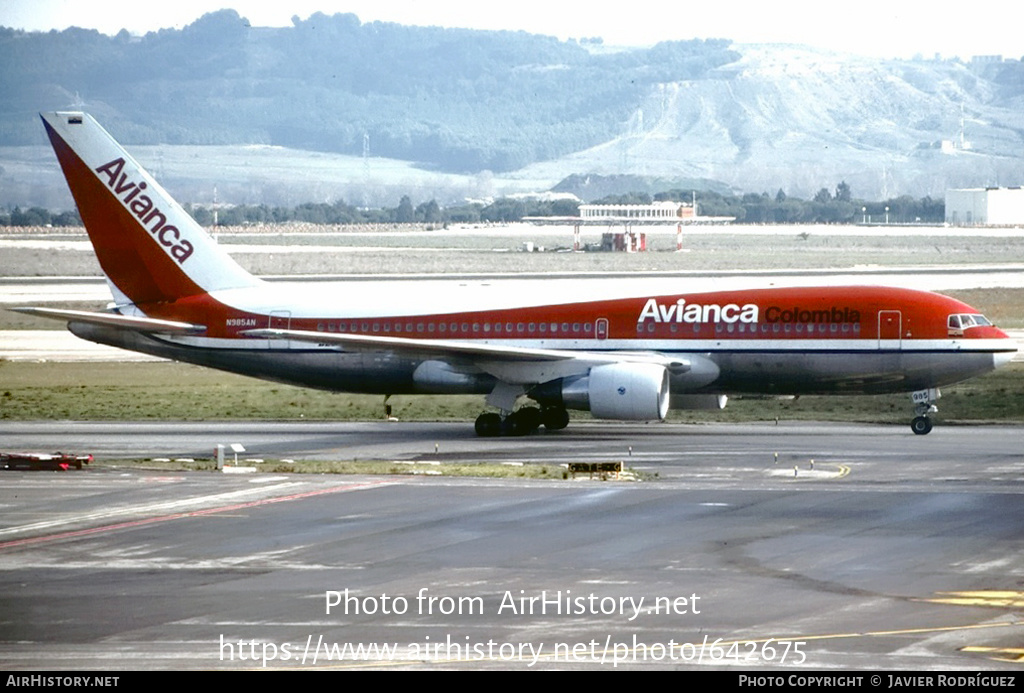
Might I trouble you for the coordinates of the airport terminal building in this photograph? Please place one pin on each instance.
(671, 212)
(985, 207)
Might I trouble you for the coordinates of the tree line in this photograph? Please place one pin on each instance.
(827, 207)
(38, 216)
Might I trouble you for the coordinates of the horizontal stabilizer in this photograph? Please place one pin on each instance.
(115, 320)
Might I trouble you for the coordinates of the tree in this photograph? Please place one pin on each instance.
(504, 209)
(843, 192)
(405, 213)
(565, 208)
(823, 196)
(428, 212)
(34, 216)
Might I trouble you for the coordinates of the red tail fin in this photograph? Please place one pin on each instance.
(147, 245)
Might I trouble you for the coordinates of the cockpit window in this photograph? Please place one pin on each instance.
(965, 320)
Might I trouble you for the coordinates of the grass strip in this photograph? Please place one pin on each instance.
(180, 392)
(368, 467)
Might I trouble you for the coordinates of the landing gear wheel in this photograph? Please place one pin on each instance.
(520, 423)
(554, 418)
(488, 425)
(924, 404)
(921, 425)
(523, 422)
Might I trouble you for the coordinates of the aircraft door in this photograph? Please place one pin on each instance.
(601, 328)
(890, 329)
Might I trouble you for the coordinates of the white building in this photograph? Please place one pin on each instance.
(658, 211)
(985, 207)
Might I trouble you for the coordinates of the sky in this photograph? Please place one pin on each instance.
(878, 28)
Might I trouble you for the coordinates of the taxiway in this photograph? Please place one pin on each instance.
(894, 552)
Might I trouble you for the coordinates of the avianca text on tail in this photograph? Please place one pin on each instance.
(138, 203)
(535, 349)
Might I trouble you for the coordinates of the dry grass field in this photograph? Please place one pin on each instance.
(413, 249)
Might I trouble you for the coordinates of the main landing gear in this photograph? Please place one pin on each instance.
(521, 422)
(924, 404)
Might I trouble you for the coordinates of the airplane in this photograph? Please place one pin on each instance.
(621, 355)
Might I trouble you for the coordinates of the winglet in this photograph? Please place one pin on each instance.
(147, 245)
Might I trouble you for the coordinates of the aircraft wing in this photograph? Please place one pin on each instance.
(140, 324)
(514, 365)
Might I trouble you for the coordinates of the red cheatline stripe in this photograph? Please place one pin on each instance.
(195, 513)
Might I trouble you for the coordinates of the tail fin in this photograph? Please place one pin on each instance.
(150, 249)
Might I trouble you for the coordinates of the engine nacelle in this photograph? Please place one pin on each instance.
(622, 391)
(698, 401)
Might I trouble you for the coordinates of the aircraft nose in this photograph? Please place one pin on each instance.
(1002, 358)
(1014, 340)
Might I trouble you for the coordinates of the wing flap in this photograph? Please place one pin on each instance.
(511, 364)
(425, 347)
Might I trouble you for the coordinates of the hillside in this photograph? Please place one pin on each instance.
(532, 109)
(452, 99)
(799, 120)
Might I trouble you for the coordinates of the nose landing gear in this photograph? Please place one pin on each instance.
(924, 404)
